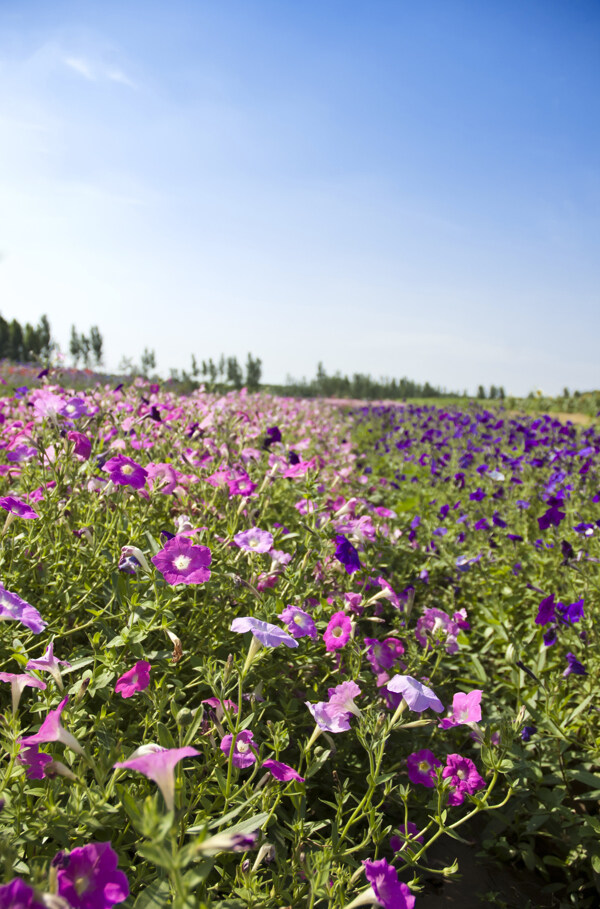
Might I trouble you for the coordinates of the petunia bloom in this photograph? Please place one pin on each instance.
(418, 696)
(34, 761)
(300, 624)
(243, 754)
(338, 631)
(158, 765)
(282, 771)
(49, 663)
(267, 634)
(17, 507)
(391, 893)
(546, 611)
(82, 446)
(124, 471)
(254, 540)
(463, 776)
(465, 709)
(334, 715)
(421, 767)
(182, 563)
(136, 679)
(18, 895)
(12, 607)
(573, 666)
(51, 730)
(346, 554)
(18, 682)
(90, 878)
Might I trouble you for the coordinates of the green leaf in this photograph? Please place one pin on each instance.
(154, 896)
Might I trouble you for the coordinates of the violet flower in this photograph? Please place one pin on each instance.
(390, 892)
(124, 471)
(282, 771)
(51, 730)
(182, 563)
(573, 666)
(421, 767)
(18, 895)
(17, 507)
(300, 624)
(49, 663)
(418, 696)
(12, 607)
(334, 715)
(268, 635)
(463, 776)
(254, 540)
(82, 447)
(243, 751)
(90, 879)
(158, 765)
(35, 762)
(346, 554)
(136, 679)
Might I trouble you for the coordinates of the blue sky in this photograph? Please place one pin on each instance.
(397, 188)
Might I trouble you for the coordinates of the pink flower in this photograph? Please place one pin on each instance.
(300, 624)
(136, 679)
(390, 892)
(124, 471)
(90, 878)
(49, 663)
(254, 540)
(182, 563)
(243, 755)
(18, 682)
(334, 715)
(463, 776)
(338, 631)
(51, 730)
(158, 764)
(465, 709)
(82, 447)
(421, 767)
(35, 761)
(161, 478)
(281, 771)
(17, 507)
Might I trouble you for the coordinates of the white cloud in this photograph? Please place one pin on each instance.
(98, 71)
(117, 75)
(80, 66)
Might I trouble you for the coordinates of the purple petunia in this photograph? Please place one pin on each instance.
(158, 764)
(346, 554)
(421, 767)
(13, 607)
(546, 611)
(243, 750)
(17, 507)
(52, 730)
(268, 635)
(124, 471)
(463, 776)
(573, 666)
(136, 679)
(417, 696)
(89, 879)
(254, 540)
(180, 562)
(282, 771)
(18, 895)
(300, 624)
(390, 892)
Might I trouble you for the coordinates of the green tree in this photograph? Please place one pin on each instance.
(253, 372)
(96, 343)
(15, 341)
(234, 372)
(148, 362)
(75, 346)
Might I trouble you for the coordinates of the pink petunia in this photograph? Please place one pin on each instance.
(182, 563)
(282, 771)
(158, 764)
(466, 708)
(338, 631)
(243, 754)
(463, 776)
(136, 679)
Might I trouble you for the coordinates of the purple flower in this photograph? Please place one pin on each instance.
(418, 696)
(74, 408)
(49, 663)
(300, 624)
(551, 517)
(338, 631)
(390, 892)
(546, 611)
(182, 563)
(18, 895)
(158, 764)
(254, 540)
(527, 732)
(124, 471)
(18, 682)
(463, 776)
(268, 635)
(35, 761)
(333, 715)
(136, 679)
(243, 753)
(573, 666)
(421, 767)
(51, 730)
(13, 607)
(17, 507)
(82, 446)
(91, 879)
(282, 771)
(440, 626)
(408, 836)
(346, 554)
(573, 612)
(465, 709)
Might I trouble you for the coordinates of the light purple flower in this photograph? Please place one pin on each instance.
(254, 540)
(182, 563)
(124, 471)
(49, 663)
(74, 408)
(91, 879)
(300, 624)
(440, 626)
(51, 730)
(18, 682)
(268, 635)
(17, 507)
(334, 715)
(158, 765)
(13, 607)
(243, 753)
(391, 893)
(136, 679)
(418, 696)
(282, 771)
(465, 709)
(338, 631)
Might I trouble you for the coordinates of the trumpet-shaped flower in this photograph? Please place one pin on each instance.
(51, 730)
(49, 663)
(338, 631)
(90, 878)
(180, 562)
(334, 715)
(136, 679)
(390, 892)
(282, 771)
(12, 607)
(463, 777)
(34, 761)
(421, 767)
(82, 447)
(17, 507)
(346, 554)
(465, 709)
(243, 750)
(254, 540)
(18, 895)
(268, 635)
(18, 682)
(124, 471)
(158, 765)
(300, 624)
(418, 696)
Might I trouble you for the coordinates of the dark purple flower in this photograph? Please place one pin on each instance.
(573, 666)
(346, 554)
(527, 732)
(18, 895)
(551, 517)
(421, 767)
(546, 611)
(91, 880)
(573, 612)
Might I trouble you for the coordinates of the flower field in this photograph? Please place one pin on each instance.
(263, 652)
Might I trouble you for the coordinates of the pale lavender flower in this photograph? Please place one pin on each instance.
(299, 623)
(158, 765)
(268, 635)
(49, 663)
(13, 607)
(18, 682)
(254, 540)
(418, 696)
(334, 715)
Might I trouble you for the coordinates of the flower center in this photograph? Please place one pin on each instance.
(181, 562)
(424, 767)
(242, 747)
(337, 631)
(461, 774)
(81, 884)
(127, 470)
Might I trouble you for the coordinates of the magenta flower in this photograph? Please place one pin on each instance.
(282, 771)
(182, 563)
(409, 835)
(18, 682)
(158, 765)
(391, 893)
(136, 679)
(243, 754)
(17, 507)
(51, 730)
(300, 624)
(82, 446)
(346, 554)
(49, 663)
(254, 540)
(421, 767)
(465, 709)
(418, 696)
(12, 607)
(162, 478)
(35, 761)
(74, 408)
(90, 878)
(338, 631)
(18, 895)
(124, 471)
(268, 635)
(463, 776)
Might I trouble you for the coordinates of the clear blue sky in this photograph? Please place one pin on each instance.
(400, 188)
